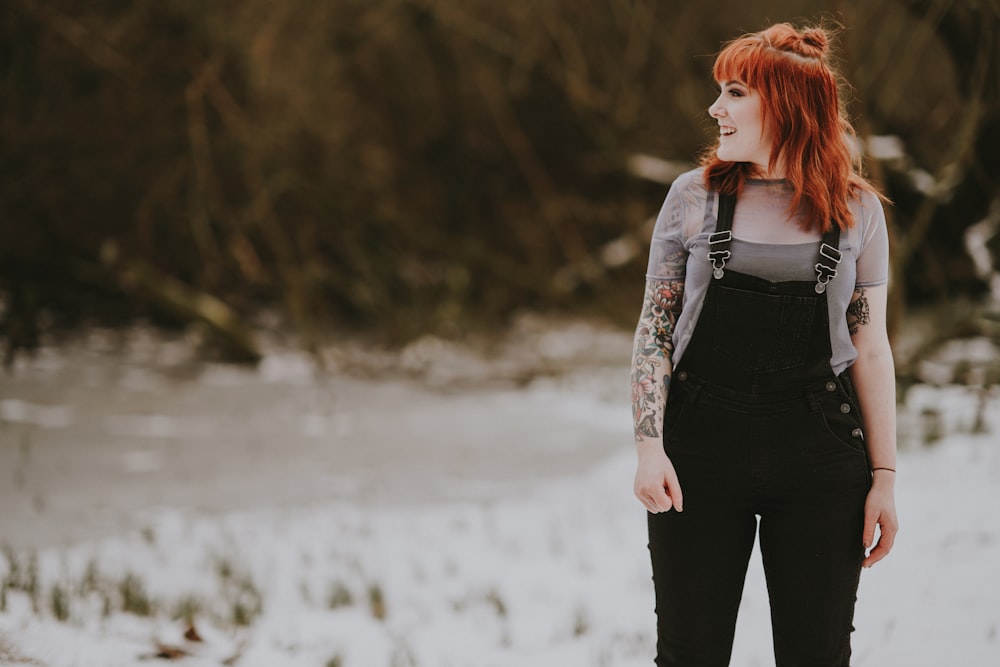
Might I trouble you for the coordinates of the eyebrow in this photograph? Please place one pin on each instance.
(733, 82)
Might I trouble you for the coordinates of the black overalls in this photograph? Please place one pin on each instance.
(756, 424)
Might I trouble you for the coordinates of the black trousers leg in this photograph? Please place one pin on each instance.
(700, 556)
(699, 562)
(812, 561)
(810, 532)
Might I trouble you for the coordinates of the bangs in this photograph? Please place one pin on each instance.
(742, 60)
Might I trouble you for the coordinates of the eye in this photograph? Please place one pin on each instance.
(735, 92)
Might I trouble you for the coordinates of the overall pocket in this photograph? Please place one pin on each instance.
(842, 421)
(761, 332)
(678, 402)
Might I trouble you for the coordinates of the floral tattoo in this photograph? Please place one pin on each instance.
(858, 312)
(651, 356)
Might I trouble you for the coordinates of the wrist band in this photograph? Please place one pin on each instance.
(890, 469)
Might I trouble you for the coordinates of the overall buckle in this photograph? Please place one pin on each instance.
(719, 257)
(824, 273)
(831, 253)
(724, 236)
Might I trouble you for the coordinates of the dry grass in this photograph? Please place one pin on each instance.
(10, 655)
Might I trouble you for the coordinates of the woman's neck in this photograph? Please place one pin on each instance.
(765, 173)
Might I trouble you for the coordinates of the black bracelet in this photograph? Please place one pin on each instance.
(891, 469)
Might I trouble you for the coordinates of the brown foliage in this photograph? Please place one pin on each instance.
(390, 165)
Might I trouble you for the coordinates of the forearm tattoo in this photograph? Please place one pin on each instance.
(858, 313)
(651, 356)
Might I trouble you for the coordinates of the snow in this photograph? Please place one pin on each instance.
(551, 570)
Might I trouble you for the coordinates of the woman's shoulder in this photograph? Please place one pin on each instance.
(867, 199)
(688, 189)
(866, 205)
(693, 179)
(684, 208)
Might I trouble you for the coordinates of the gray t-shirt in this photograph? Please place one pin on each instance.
(766, 243)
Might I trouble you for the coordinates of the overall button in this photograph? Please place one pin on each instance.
(856, 433)
(831, 386)
(683, 375)
(845, 408)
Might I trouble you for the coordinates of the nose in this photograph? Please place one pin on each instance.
(717, 110)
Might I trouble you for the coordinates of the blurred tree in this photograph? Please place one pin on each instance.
(400, 166)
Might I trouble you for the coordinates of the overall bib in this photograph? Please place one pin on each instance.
(758, 425)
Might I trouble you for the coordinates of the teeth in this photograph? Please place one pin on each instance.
(726, 131)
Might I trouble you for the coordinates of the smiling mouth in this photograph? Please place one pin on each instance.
(727, 131)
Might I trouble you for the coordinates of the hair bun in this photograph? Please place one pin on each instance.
(815, 41)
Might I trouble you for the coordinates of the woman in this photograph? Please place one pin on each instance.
(764, 317)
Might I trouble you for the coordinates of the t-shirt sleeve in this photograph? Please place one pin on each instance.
(667, 250)
(873, 254)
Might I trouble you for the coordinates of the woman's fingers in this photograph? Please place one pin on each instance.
(880, 514)
(659, 501)
(653, 496)
(880, 551)
(887, 536)
(673, 487)
(657, 487)
(868, 536)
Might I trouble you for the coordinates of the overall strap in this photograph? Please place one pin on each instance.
(719, 240)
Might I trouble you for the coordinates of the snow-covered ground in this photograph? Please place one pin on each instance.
(487, 559)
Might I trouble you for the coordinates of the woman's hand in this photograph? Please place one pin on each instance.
(880, 510)
(656, 484)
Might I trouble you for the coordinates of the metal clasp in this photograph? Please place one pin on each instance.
(831, 253)
(824, 273)
(719, 257)
(724, 236)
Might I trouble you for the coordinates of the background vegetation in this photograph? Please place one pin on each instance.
(400, 166)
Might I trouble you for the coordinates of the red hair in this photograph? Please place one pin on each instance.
(800, 103)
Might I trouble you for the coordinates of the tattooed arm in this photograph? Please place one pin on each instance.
(651, 356)
(656, 483)
(859, 311)
(874, 377)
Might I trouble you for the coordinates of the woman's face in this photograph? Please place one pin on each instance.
(743, 136)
